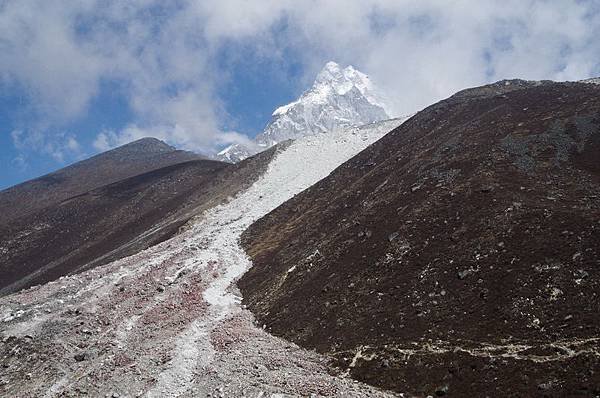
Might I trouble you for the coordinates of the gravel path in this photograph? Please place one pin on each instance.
(168, 322)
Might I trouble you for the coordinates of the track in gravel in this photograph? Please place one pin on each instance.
(168, 322)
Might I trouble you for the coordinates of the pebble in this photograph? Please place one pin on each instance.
(464, 273)
(80, 356)
(441, 391)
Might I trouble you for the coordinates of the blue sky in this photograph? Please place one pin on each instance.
(80, 77)
(249, 95)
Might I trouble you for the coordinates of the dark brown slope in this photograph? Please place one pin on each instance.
(116, 220)
(126, 161)
(458, 255)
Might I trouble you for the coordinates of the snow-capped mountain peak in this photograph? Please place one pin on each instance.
(332, 74)
(332, 80)
(235, 153)
(339, 98)
(342, 80)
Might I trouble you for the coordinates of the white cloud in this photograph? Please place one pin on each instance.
(165, 54)
(103, 141)
(57, 145)
(20, 162)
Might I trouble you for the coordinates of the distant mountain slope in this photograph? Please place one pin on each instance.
(117, 219)
(128, 160)
(458, 255)
(338, 99)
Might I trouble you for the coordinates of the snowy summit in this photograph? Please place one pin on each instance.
(339, 98)
(335, 81)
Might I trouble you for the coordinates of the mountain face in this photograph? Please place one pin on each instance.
(458, 255)
(338, 99)
(126, 161)
(236, 152)
(168, 321)
(87, 229)
(451, 254)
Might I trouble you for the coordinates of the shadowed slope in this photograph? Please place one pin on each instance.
(116, 220)
(457, 255)
(126, 161)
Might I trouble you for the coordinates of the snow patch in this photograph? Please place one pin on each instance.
(221, 227)
(594, 80)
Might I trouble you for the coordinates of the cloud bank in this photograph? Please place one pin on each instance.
(165, 56)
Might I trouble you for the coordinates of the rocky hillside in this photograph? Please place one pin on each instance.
(168, 321)
(458, 255)
(114, 220)
(126, 161)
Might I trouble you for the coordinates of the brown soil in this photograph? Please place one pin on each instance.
(116, 220)
(459, 255)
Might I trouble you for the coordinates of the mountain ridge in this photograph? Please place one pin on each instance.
(134, 158)
(81, 228)
(452, 254)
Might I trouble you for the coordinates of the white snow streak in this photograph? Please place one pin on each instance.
(302, 164)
